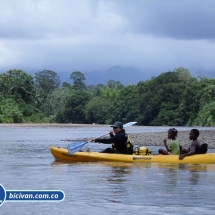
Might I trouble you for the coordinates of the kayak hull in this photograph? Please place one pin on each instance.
(61, 154)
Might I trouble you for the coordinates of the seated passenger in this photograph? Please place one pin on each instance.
(174, 145)
(196, 147)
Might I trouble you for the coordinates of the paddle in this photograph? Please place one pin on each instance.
(76, 146)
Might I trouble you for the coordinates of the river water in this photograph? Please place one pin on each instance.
(98, 188)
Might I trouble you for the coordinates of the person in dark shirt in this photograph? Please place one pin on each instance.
(194, 147)
(118, 138)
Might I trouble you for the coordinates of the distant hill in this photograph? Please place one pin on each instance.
(126, 75)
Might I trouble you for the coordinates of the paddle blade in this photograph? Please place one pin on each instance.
(129, 124)
(74, 147)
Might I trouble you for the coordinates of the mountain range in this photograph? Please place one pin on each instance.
(125, 75)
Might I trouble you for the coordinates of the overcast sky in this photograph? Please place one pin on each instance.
(85, 35)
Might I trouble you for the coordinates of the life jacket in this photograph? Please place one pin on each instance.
(129, 146)
(142, 151)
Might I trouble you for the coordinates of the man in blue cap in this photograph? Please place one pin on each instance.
(120, 140)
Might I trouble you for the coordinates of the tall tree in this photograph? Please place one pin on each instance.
(124, 106)
(74, 110)
(46, 82)
(114, 84)
(206, 116)
(78, 80)
(10, 111)
(18, 85)
(57, 100)
(96, 110)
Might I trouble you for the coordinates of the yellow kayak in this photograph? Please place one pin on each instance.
(62, 155)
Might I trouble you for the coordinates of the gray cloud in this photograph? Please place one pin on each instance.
(94, 34)
(193, 19)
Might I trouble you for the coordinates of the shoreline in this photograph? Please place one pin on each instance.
(48, 125)
(140, 139)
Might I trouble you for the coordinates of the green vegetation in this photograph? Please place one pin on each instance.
(173, 98)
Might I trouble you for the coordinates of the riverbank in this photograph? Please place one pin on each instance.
(141, 139)
(156, 138)
(47, 125)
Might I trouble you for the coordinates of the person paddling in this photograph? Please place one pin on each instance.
(120, 140)
(173, 147)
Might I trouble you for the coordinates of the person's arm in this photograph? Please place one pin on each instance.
(117, 138)
(105, 141)
(165, 144)
(192, 151)
(102, 140)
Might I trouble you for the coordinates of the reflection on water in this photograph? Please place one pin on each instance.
(102, 187)
(119, 173)
(194, 178)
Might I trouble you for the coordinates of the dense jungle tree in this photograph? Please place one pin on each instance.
(17, 84)
(114, 84)
(46, 82)
(78, 80)
(74, 110)
(65, 84)
(109, 93)
(10, 111)
(96, 90)
(57, 100)
(203, 104)
(18, 93)
(208, 92)
(172, 98)
(97, 110)
(161, 97)
(190, 101)
(206, 116)
(124, 106)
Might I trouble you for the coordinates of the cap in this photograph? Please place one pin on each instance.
(117, 125)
